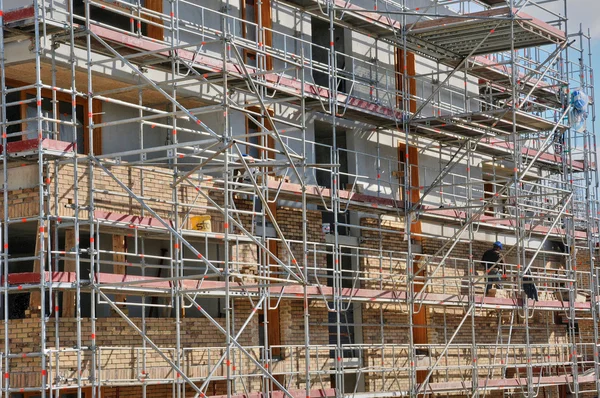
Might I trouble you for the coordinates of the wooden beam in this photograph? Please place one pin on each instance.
(119, 246)
(406, 69)
(97, 119)
(410, 158)
(273, 315)
(35, 298)
(155, 32)
(293, 292)
(68, 297)
(267, 25)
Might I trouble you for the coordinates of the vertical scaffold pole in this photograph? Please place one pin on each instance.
(6, 368)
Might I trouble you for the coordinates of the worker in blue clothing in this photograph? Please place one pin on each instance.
(494, 268)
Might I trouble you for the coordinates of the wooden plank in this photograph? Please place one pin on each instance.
(155, 32)
(493, 2)
(508, 383)
(408, 68)
(295, 292)
(318, 393)
(119, 246)
(35, 299)
(130, 219)
(410, 158)
(267, 25)
(97, 119)
(32, 145)
(274, 328)
(68, 298)
(19, 14)
(480, 18)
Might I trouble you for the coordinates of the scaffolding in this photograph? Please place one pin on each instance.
(176, 171)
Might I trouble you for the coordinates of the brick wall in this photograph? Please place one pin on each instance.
(292, 312)
(290, 222)
(293, 352)
(452, 276)
(549, 341)
(147, 183)
(389, 272)
(586, 325)
(119, 349)
(387, 366)
(382, 323)
(21, 203)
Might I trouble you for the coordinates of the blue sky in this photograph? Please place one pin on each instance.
(587, 13)
(596, 65)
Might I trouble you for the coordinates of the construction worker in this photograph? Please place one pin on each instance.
(240, 173)
(493, 266)
(529, 287)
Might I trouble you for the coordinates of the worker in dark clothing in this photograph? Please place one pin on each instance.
(493, 266)
(529, 287)
(239, 172)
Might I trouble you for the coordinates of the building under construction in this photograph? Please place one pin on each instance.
(291, 198)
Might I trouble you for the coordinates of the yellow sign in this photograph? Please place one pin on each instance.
(201, 223)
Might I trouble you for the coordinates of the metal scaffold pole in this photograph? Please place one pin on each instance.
(592, 210)
(172, 172)
(5, 246)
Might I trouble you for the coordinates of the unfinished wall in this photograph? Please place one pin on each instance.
(500, 338)
(120, 352)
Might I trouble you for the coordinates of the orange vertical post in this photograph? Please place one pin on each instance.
(68, 297)
(155, 32)
(411, 159)
(404, 69)
(119, 247)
